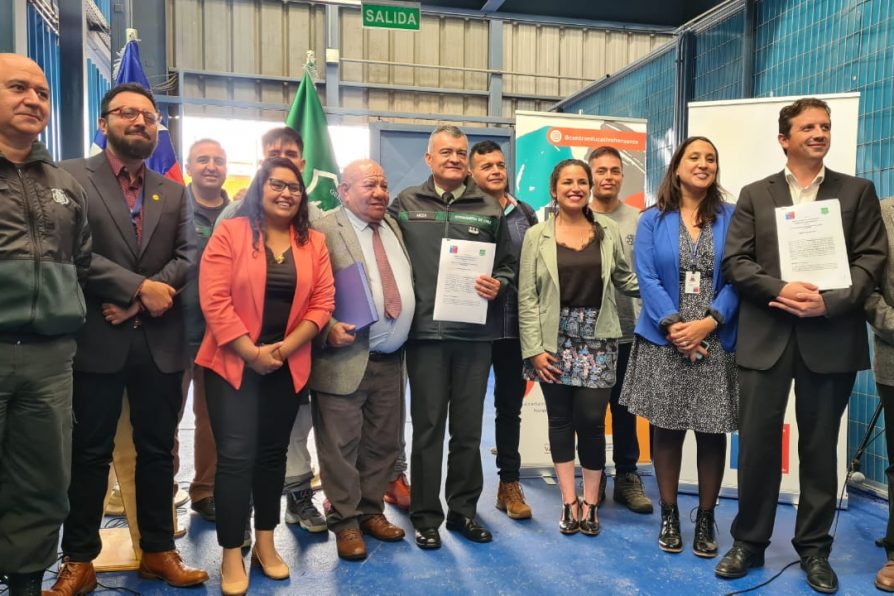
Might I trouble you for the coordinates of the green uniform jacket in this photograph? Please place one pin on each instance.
(424, 219)
(538, 286)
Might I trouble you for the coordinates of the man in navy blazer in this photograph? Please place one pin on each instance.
(791, 330)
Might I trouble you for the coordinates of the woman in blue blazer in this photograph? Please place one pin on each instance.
(682, 372)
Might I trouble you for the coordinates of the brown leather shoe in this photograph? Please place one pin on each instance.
(398, 492)
(74, 579)
(380, 528)
(169, 566)
(511, 499)
(350, 544)
(884, 580)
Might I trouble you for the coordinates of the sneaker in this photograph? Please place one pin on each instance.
(398, 492)
(115, 506)
(629, 491)
(300, 509)
(511, 499)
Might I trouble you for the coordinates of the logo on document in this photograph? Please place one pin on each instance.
(824, 211)
(790, 215)
(454, 249)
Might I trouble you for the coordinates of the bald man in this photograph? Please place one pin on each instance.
(357, 374)
(43, 236)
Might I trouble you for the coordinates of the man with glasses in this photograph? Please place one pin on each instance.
(143, 247)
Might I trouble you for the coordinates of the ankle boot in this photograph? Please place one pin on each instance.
(704, 543)
(669, 539)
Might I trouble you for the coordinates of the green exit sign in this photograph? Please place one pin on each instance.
(386, 15)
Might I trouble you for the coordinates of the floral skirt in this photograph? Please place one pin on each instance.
(584, 360)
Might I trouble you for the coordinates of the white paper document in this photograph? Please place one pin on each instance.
(811, 244)
(461, 262)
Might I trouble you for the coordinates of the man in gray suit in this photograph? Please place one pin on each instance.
(357, 374)
(786, 331)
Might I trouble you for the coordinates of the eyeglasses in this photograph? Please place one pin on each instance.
(279, 186)
(131, 114)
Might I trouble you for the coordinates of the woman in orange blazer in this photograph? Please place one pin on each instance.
(266, 289)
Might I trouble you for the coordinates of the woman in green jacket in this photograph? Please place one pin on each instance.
(569, 329)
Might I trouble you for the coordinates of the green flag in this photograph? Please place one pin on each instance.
(320, 169)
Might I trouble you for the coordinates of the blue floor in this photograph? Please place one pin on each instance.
(531, 557)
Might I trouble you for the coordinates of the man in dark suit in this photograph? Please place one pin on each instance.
(143, 247)
(787, 330)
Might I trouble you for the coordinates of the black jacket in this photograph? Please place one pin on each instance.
(44, 247)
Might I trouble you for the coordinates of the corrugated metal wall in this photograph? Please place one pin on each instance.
(43, 48)
(270, 38)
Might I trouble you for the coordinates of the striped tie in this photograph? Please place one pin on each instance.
(389, 284)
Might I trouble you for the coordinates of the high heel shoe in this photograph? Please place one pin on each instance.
(233, 588)
(569, 524)
(704, 544)
(669, 539)
(277, 570)
(589, 525)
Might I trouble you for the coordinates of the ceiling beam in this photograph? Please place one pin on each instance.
(492, 5)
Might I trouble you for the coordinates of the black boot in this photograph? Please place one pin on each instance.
(704, 543)
(669, 539)
(25, 584)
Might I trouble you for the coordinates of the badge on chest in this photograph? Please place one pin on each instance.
(692, 282)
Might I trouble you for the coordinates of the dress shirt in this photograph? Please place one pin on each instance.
(456, 192)
(131, 189)
(386, 335)
(806, 194)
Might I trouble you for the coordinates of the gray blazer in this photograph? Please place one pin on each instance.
(879, 309)
(539, 296)
(339, 370)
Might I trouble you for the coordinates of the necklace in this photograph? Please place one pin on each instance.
(583, 236)
(279, 259)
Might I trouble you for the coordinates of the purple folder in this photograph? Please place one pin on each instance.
(354, 303)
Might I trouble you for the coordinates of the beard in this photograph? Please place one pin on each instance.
(130, 147)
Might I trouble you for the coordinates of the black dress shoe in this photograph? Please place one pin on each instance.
(820, 575)
(669, 538)
(428, 538)
(737, 561)
(205, 507)
(468, 527)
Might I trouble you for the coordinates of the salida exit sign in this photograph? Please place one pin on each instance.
(391, 15)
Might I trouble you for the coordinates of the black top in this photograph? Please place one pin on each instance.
(580, 274)
(278, 296)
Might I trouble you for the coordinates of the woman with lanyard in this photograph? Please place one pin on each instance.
(682, 370)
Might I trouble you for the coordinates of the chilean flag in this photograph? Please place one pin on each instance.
(163, 160)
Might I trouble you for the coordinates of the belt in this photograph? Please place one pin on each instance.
(379, 356)
(137, 322)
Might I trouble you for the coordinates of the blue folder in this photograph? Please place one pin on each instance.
(354, 303)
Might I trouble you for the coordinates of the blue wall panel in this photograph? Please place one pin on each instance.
(43, 48)
(644, 92)
(718, 60)
(97, 85)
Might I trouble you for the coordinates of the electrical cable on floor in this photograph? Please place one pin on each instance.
(852, 469)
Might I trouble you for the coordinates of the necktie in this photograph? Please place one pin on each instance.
(389, 284)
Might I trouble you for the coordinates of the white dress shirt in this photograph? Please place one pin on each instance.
(804, 194)
(386, 335)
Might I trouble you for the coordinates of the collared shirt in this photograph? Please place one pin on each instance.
(130, 189)
(456, 192)
(511, 204)
(806, 194)
(386, 335)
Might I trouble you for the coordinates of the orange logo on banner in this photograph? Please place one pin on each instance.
(586, 137)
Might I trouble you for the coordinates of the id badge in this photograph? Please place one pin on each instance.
(693, 282)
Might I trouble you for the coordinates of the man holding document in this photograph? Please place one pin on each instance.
(453, 232)
(802, 289)
(357, 367)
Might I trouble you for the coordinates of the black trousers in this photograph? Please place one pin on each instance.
(820, 400)
(886, 394)
(625, 446)
(509, 393)
(446, 377)
(576, 412)
(155, 398)
(251, 427)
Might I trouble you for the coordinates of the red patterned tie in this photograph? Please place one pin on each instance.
(389, 284)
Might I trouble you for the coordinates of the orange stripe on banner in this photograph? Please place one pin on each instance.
(786, 443)
(586, 137)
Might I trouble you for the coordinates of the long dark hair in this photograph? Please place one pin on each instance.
(253, 203)
(670, 195)
(554, 182)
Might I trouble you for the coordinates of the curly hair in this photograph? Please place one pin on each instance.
(669, 192)
(253, 203)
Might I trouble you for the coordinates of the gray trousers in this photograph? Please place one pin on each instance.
(358, 438)
(448, 379)
(35, 451)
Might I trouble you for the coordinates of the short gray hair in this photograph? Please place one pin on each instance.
(447, 129)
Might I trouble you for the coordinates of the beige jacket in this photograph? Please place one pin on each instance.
(879, 309)
(538, 287)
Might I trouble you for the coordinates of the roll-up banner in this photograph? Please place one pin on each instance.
(745, 133)
(543, 139)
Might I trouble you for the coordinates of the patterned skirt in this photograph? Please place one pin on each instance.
(585, 361)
